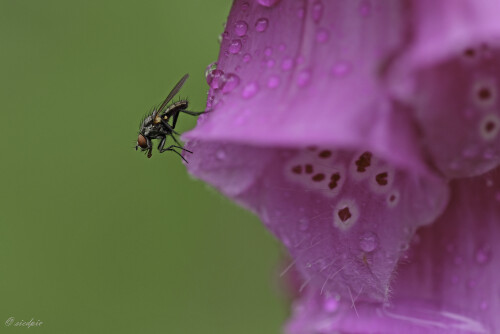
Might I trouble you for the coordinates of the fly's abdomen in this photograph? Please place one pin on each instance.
(179, 105)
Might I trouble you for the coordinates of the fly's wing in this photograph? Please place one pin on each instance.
(173, 92)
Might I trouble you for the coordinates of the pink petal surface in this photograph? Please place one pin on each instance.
(307, 73)
(344, 215)
(447, 283)
(452, 75)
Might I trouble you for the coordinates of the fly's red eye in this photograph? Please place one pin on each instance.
(142, 142)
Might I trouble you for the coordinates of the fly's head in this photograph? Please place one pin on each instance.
(147, 132)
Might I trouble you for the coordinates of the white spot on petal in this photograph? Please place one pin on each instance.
(489, 127)
(484, 93)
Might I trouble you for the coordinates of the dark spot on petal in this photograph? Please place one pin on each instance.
(312, 148)
(469, 52)
(325, 154)
(344, 214)
(489, 126)
(297, 169)
(333, 180)
(381, 178)
(318, 177)
(484, 93)
(309, 169)
(364, 161)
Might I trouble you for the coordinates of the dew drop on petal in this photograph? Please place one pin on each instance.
(268, 51)
(287, 64)
(317, 10)
(268, 3)
(270, 63)
(247, 58)
(322, 35)
(240, 28)
(245, 6)
(220, 154)
(209, 72)
(365, 8)
(303, 224)
(273, 81)
(250, 90)
(330, 304)
(483, 256)
(216, 81)
(368, 242)
(232, 81)
(261, 24)
(235, 46)
(303, 78)
(341, 69)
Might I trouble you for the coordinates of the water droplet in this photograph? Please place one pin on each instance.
(317, 10)
(270, 63)
(483, 255)
(273, 81)
(209, 72)
(235, 46)
(282, 47)
(286, 241)
(245, 6)
(261, 24)
(287, 64)
(216, 81)
(483, 305)
(471, 283)
(303, 224)
(330, 304)
(301, 12)
(268, 3)
(250, 90)
(341, 69)
(240, 28)
(220, 154)
(322, 35)
(232, 81)
(303, 78)
(365, 8)
(268, 51)
(247, 58)
(368, 242)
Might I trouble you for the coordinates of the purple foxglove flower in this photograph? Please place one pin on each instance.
(340, 123)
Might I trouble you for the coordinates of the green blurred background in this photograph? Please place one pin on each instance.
(95, 237)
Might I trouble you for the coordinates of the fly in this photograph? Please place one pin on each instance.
(161, 123)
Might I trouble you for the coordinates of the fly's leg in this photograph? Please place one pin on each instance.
(170, 148)
(176, 115)
(169, 127)
(149, 147)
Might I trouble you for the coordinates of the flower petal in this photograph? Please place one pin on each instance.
(448, 283)
(307, 73)
(345, 218)
(452, 79)
(302, 76)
